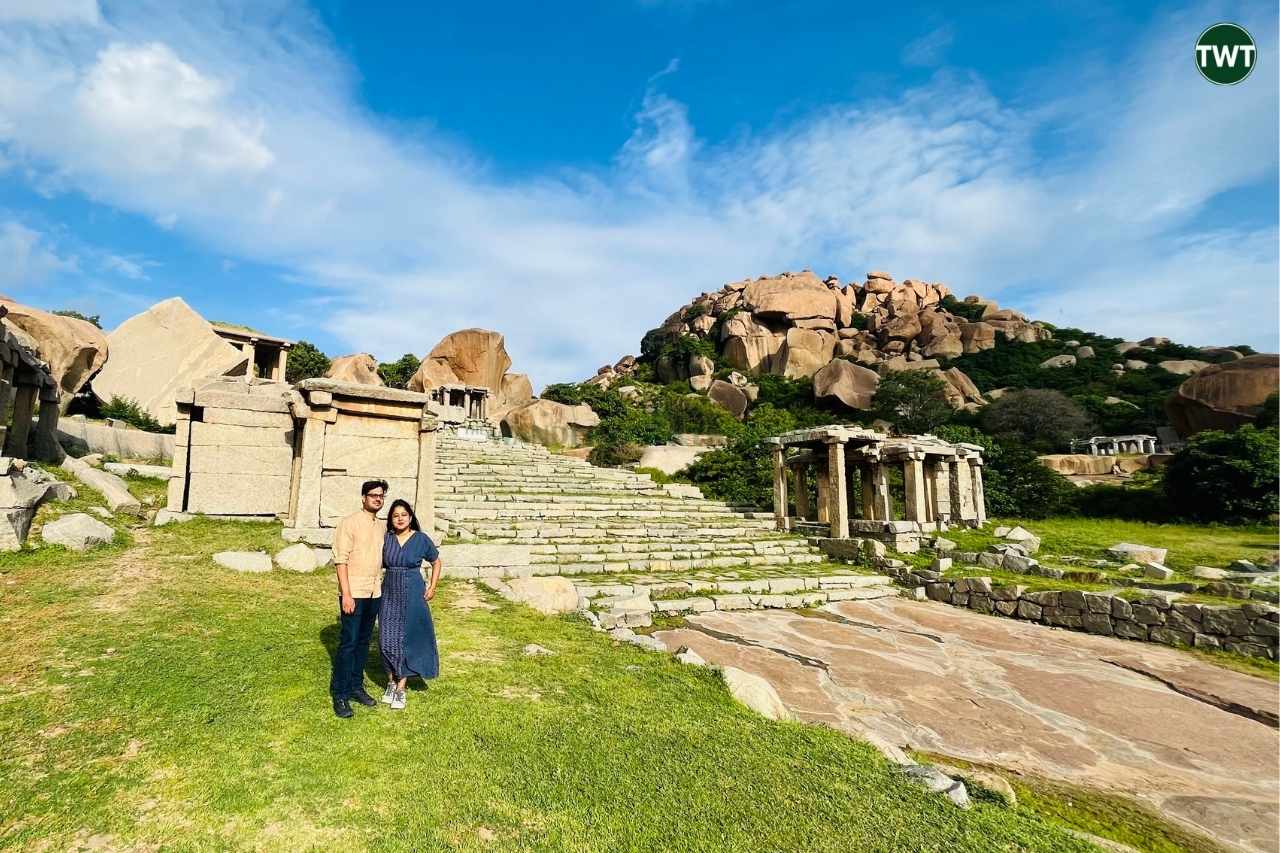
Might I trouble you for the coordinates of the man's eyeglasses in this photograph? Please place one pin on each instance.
(376, 495)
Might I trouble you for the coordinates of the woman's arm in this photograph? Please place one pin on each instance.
(435, 579)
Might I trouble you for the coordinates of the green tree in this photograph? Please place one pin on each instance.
(306, 361)
(912, 400)
(1038, 418)
(1014, 482)
(128, 410)
(95, 319)
(1225, 476)
(742, 473)
(396, 374)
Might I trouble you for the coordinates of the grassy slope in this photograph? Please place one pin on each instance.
(153, 698)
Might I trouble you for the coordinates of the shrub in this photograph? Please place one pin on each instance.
(396, 374)
(1269, 417)
(1222, 476)
(95, 319)
(964, 310)
(1039, 418)
(912, 400)
(742, 473)
(124, 409)
(306, 362)
(1013, 480)
(1139, 500)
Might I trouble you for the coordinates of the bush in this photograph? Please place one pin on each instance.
(1269, 417)
(1039, 418)
(912, 400)
(396, 374)
(1139, 500)
(1222, 476)
(742, 473)
(305, 362)
(964, 310)
(1013, 480)
(124, 409)
(95, 319)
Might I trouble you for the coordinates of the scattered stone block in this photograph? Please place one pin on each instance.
(940, 564)
(1156, 570)
(535, 650)
(1017, 562)
(547, 595)
(1209, 573)
(254, 562)
(299, 558)
(77, 531)
(934, 780)
(1128, 552)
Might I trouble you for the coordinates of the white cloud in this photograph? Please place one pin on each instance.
(27, 258)
(930, 48)
(133, 267)
(241, 131)
(50, 11)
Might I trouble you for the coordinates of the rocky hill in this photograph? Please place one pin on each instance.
(845, 337)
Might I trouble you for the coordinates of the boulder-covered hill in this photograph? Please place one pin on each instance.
(844, 337)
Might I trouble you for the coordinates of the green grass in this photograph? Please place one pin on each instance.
(154, 699)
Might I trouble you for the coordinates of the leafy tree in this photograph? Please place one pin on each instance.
(396, 374)
(1269, 417)
(1038, 418)
(912, 400)
(95, 319)
(306, 362)
(1221, 476)
(1014, 482)
(742, 473)
(127, 410)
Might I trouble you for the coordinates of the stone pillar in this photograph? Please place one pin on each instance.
(838, 489)
(868, 491)
(823, 480)
(181, 471)
(282, 365)
(801, 471)
(780, 488)
(307, 513)
(913, 480)
(942, 491)
(45, 445)
(961, 491)
(882, 501)
(930, 515)
(250, 350)
(24, 405)
(979, 498)
(424, 500)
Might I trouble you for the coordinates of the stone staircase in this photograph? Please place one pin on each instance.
(633, 547)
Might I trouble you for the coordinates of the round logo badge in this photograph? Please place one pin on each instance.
(1225, 54)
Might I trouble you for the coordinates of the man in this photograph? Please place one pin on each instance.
(357, 552)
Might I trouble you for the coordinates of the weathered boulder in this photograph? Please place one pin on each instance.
(547, 595)
(1184, 366)
(1222, 353)
(248, 562)
(852, 385)
(22, 490)
(940, 335)
(1127, 552)
(959, 389)
(550, 424)
(516, 391)
(113, 488)
(749, 345)
(298, 558)
(360, 368)
(471, 356)
(791, 296)
(755, 692)
(1085, 352)
(74, 349)
(155, 354)
(976, 337)
(670, 458)
(804, 352)
(1059, 361)
(1224, 396)
(729, 396)
(77, 531)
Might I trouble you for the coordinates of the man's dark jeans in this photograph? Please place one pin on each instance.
(353, 646)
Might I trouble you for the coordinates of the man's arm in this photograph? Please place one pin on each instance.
(342, 544)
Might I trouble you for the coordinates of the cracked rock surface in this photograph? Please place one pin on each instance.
(1196, 741)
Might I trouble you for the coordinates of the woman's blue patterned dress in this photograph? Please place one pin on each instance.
(407, 636)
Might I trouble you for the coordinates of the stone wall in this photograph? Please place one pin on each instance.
(1250, 629)
(79, 436)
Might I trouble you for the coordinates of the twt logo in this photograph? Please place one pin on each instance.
(1225, 54)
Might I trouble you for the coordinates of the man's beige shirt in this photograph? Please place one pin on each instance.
(358, 543)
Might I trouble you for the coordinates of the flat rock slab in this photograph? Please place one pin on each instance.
(255, 562)
(1196, 741)
(124, 469)
(77, 531)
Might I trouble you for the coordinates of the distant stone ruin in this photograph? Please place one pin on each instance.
(1114, 445)
(941, 484)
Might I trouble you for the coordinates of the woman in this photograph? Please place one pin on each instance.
(407, 637)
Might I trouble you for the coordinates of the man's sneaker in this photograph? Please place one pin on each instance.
(397, 701)
(342, 707)
(359, 695)
(390, 693)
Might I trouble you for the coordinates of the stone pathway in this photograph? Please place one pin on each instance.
(1197, 742)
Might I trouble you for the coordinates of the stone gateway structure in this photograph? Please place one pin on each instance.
(858, 473)
(299, 454)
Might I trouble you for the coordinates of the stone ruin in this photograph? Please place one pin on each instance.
(24, 381)
(300, 454)
(1114, 445)
(266, 356)
(941, 484)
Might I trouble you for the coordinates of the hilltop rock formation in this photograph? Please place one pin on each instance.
(74, 349)
(360, 368)
(160, 351)
(798, 326)
(1224, 396)
(550, 424)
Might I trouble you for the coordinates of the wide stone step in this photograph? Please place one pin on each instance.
(538, 531)
(477, 499)
(553, 512)
(615, 567)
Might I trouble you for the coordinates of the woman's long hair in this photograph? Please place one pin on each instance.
(413, 518)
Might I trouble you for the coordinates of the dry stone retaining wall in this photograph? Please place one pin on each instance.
(1250, 629)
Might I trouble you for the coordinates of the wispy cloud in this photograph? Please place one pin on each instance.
(133, 267)
(929, 49)
(45, 12)
(242, 131)
(28, 257)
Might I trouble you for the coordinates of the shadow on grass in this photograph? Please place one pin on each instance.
(372, 668)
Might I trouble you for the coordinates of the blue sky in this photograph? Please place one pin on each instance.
(371, 179)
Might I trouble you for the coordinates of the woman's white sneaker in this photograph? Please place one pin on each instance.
(397, 701)
(389, 695)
